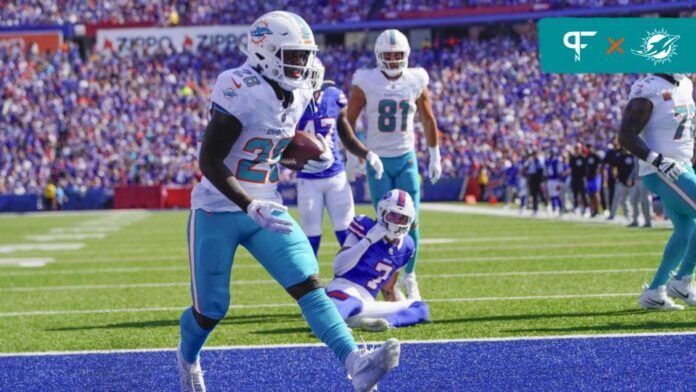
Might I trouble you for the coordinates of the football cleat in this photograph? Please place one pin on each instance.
(683, 289)
(190, 374)
(370, 366)
(411, 286)
(375, 324)
(657, 299)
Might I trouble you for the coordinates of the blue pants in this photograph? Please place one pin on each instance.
(214, 238)
(402, 173)
(679, 200)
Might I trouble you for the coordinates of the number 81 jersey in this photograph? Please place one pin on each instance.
(267, 129)
(390, 108)
(670, 128)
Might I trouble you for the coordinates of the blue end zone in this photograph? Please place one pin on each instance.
(625, 363)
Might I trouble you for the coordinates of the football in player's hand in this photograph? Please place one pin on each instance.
(303, 147)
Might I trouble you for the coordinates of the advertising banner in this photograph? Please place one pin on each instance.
(47, 41)
(194, 37)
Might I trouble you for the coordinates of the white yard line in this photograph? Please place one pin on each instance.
(65, 237)
(26, 262)
(481, 259)
(300, 345)
(270, 281)
(40, 247)
(255, 265)
(513, 213)
(293, 304)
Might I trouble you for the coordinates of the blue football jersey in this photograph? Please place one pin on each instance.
(320, 117)
(554, 168)
(381, 260)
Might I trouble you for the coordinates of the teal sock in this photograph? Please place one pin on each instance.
(670, 259)
(411, 266)
(326, 323)
(689, 260)
(193, 336)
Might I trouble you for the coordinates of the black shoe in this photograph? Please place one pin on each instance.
(633, 224)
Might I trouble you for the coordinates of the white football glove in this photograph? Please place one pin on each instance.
(324, 162)
(434, 167)
(667, 166)
(376, 233)
(376, 163)
(261, 212)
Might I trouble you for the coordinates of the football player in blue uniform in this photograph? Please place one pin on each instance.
(255, 111)
(371, 254)
(330, 187)
(554, 171)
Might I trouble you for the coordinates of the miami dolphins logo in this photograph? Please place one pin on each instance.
(259, 32)
(658, 46)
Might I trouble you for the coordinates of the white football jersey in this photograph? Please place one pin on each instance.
(267, 129)
(390, 108)
(670, 128)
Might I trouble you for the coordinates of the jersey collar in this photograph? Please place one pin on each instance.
(668, 78)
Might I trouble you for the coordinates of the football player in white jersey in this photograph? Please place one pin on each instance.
(255, 110)
(390, 95)
(657, 127)
(330, 187)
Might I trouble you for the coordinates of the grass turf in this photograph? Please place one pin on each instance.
(487, 277)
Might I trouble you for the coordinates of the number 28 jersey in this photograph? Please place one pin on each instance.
(380, 261)
(390, 108)
(267, 129)
(670, 128)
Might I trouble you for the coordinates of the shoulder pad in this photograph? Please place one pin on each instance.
(360, 225)
(360, 78)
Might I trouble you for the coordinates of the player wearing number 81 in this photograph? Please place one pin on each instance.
(390, 95)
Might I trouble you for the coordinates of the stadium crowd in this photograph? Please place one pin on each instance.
(134, 118)
(198, 12)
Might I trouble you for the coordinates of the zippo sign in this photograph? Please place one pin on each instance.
(179, 37)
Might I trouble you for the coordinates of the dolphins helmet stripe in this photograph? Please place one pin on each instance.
(392, 37)
(401, 202)
(304, 27)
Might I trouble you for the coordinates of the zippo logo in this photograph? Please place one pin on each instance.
(576, 45)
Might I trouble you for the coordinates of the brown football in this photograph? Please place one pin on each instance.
(303, 147)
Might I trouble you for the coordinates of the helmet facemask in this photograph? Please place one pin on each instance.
(293, 67)
(316, 74)
(397, 222)
(392, 63)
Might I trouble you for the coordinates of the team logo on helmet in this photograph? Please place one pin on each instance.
(259, 32)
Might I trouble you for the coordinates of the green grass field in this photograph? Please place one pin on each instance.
(483, 277)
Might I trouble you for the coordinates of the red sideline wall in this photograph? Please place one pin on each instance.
(152, 197)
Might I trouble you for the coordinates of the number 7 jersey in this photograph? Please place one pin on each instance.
(267, 129)
(670, 128)
(390, 108)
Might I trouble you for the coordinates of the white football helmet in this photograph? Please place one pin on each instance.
(392, 41)
(396, 212)
(316, 74)
(281, 45)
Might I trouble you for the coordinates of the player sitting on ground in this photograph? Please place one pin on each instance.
(371, 254)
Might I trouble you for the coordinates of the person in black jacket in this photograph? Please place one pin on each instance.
(577, 179)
